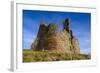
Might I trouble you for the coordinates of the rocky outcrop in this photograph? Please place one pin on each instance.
(51, 37)
(75, 46)
(41, 37)
(47, 39)
(64, 44)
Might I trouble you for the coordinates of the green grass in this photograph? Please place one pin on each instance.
(40, 56)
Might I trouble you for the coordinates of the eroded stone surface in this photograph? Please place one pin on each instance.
(47, 39)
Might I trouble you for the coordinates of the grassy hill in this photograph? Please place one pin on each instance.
(40, 56)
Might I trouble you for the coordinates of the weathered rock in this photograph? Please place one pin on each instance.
(63, 42)
(47, 39)
(39, 42)
(66, 25)
(51, 39)
(75, 44)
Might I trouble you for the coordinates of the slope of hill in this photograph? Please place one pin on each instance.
(43, 56)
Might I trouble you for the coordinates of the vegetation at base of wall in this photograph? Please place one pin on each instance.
(43, 56)
(55, 26)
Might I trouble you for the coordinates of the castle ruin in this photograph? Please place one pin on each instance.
(48, 40)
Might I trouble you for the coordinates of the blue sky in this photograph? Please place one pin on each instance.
(80, 23)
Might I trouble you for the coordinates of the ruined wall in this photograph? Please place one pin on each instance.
(47, 39)
(51, 39)
(39, 42)
(63, 42)
(75, 44)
